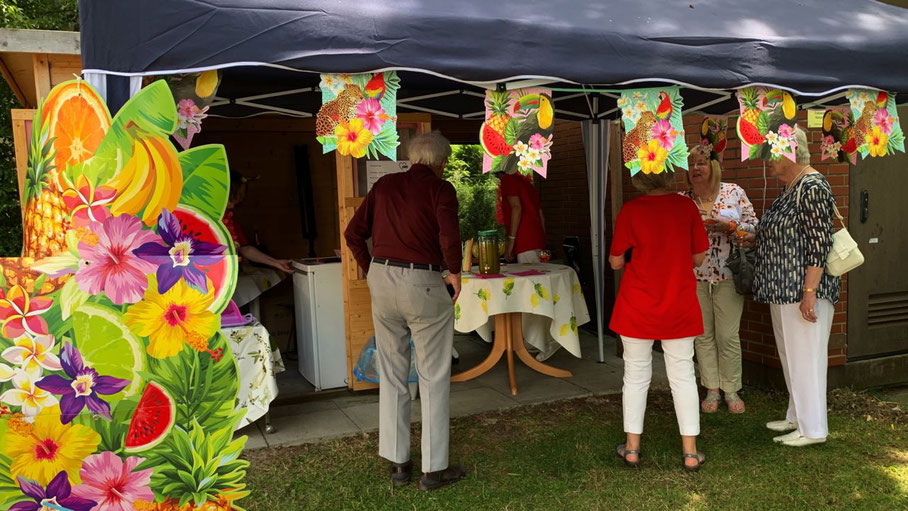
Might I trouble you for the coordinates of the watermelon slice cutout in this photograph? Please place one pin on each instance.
(152, 420)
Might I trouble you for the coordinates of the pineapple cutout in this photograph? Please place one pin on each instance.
(654, 132)
(518, 131)
(877, 131)
(766, 124)
(358, 116)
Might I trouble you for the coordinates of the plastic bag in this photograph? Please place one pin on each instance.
(367, 366)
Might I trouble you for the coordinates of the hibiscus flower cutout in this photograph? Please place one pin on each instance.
(179, 255)
(114, 483)
(82, 388)
(108, 264)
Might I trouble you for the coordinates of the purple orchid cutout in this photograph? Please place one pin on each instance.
(180, 256)
(57, 496)
(82, 387)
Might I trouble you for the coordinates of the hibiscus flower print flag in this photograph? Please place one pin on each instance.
(358, 116)
(654, 132)
(766, 124)
(877, 131)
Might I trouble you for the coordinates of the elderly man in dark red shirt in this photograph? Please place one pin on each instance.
(412, 220)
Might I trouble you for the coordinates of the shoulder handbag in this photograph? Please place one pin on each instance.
(741, 263)
(845, 254)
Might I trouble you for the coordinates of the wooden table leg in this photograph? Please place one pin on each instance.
(520, 347)
(509, 334)
(499, 345)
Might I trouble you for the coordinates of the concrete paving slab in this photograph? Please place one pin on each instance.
(311, 427)
(254, 437)
(478, 400)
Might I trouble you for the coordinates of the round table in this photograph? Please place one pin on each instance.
(257, 362)
(548, 290)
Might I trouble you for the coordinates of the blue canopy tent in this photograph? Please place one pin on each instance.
(448, 52)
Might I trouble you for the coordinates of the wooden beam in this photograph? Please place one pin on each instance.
(41, 66)
(59, 42)
(20, 146)
(11, 80)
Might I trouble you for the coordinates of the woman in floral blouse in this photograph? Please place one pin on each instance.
(725, 209)
(793, 240)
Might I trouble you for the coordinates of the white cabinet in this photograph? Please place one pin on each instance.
(320, 338)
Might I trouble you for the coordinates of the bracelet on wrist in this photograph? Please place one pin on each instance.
(732, 226)
(810, 290)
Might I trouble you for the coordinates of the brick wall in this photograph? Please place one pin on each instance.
(757, 340)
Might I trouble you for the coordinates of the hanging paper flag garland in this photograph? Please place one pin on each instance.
(838, 135)
(654, 139)
(518, 131)
(358, 116)
(192, 93)
(713, 138)
(877, 131)
(766, 125)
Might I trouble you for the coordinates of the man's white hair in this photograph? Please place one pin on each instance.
(430, 149)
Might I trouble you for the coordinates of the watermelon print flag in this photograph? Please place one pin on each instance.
(117, 389)
(654, 131)
(358, 116)
(877, 131)
(518, 131)
(766, 125)
(838, 135)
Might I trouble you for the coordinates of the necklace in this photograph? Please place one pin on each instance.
(791, 184)
(709, 200)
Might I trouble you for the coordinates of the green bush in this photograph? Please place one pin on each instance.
(476, 192)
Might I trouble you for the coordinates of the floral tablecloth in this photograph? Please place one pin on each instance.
(258, 361)
(549, 290)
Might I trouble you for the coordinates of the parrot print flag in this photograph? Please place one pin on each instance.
(877, 131)
(654, 131)
(518, 131)
(838, 135)
(117, 388)
(358, 116)
(766, 125)
(713, 138)
(192, 93)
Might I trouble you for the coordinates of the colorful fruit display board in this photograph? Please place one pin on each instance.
(518, 131)
(767, 123)
(117, 390)
(877, 131)
(838, 135)
(358, 116)
(654, 131)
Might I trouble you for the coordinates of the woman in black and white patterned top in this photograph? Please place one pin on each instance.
(793, 239)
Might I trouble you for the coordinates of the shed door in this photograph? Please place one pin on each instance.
(878, 290)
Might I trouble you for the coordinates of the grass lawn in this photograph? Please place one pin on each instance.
(561, 456)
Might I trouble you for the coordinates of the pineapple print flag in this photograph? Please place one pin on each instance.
(358, 116)
(838, 135)
(113, 367)
(518, 131)
(766, 125)
(877, 131)
(654, 131)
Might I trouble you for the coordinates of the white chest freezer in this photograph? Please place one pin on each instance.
(320, 338)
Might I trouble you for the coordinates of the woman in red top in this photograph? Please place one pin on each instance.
(522, 217)
(242, 246)
(658, 301)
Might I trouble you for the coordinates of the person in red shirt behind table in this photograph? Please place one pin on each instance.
(522, 217)
(412, 219)
(657, 300)
(241, 244)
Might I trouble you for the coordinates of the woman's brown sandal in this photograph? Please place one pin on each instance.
(622, 452)
(699, 456)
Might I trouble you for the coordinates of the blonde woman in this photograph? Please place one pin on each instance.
(725, 208)
(793, 239)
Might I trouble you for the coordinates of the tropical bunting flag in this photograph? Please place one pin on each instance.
(877, 131)
(117, 389)
(518, 131)
(358, 116)
(713, 136)
(767, 123)
(838, 135)
(654, 131)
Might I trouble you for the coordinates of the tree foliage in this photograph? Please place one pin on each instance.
(476, 192)
(30, 14)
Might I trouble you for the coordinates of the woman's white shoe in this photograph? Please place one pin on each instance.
(794, 435)
(802, 441)
(782, 425)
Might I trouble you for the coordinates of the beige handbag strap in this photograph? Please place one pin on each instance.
(834, 207)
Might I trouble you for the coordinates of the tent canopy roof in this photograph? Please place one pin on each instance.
(807, 47)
